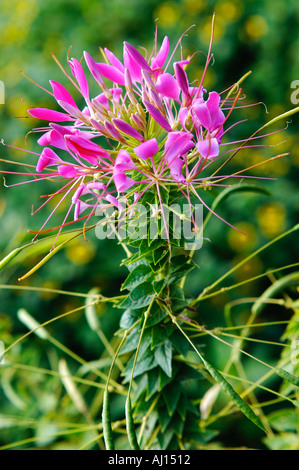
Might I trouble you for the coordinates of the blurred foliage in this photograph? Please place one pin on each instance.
(249, 35)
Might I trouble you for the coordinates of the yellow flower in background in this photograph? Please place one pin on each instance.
(295, 154)
(272, 219)
(168, 14)
(251, 268)
(49, 295)
(194, 6)
(230, 10)
(210, 76)
(204, 31)
(80, 252)
(239, 242)
(278, 167)
(255, 27)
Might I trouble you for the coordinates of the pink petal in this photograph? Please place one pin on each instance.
(61, 94)
(85, 149)
(123, 162)
(80, 207)
(78, 72)
(114, 60)
(67, 171)
(114, 201)
(182, 79)
(167, 86)
(111, 72)
(183, 116)
(177, 144)
(123, 182)
(217, 116)
(128, 129)
(47, 158)
(74, 112)
(202, 115)
(208, 148)
(148, 149)
(49, 115)
(96, 185)
(45, 139)
(93, 68)
(137, 57)
(132, 66)
(79, 192)
(176, 170)
(163, 52)
(158, 117)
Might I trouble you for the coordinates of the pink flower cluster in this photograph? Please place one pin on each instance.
(148, 126)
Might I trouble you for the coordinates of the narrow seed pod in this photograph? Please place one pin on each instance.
(287, 376)
(131, 426)
(228, 389)
(106, 419)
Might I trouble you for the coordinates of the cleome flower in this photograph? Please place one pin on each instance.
(147, 127)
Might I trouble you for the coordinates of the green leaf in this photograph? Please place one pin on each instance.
(146, 363)
(180, 343)
(163, 357)
(159, 254)
(136, 277)
(129, 317)
(171, 397)
(164, 379)
(141, 296)
(156, 315)
(164, 418)
(285, 420)
(153, 383)
(160, 333)
(132, 342)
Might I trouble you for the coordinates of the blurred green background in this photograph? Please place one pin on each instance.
(258, 36)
